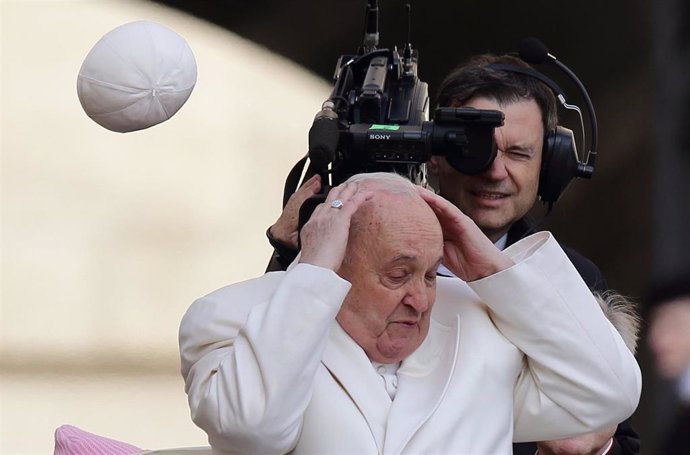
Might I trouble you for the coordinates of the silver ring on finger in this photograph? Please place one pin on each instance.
(337, 204)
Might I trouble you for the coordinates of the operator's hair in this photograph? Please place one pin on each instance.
(475, 78)
(622, 314)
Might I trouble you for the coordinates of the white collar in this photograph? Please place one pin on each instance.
(389, 373)
(386, 368)
(502, 242)
(684, 386)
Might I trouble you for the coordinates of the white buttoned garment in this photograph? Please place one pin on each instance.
(389, 375)
(268, 369)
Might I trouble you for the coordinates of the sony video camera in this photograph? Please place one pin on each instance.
(377, 119)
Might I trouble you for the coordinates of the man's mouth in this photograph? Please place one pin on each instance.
(490, 195)
(408, 323)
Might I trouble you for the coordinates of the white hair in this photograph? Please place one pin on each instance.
(623, 315)
(388, 182)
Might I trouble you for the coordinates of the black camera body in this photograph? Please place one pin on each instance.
(377, 119)
(381, 105)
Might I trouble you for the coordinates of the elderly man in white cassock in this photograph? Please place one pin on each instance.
(359, 348)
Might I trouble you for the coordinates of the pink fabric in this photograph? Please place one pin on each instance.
(71, 440)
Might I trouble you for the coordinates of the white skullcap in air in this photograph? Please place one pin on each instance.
(136, 76)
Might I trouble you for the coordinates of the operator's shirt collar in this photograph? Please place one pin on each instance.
(684, 386)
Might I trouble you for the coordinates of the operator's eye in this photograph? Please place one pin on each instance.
(520, 154)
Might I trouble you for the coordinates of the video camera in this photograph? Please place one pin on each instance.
(377, 119)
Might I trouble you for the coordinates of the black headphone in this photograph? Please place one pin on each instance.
(560, 161)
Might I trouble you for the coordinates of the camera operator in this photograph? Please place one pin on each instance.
(498, 199)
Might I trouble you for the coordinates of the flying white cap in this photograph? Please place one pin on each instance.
(136, 76)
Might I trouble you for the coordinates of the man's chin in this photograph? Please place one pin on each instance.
(492, 224)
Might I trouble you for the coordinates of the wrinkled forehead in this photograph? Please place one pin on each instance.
(386, 215)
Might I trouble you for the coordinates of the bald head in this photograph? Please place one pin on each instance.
(395, 207)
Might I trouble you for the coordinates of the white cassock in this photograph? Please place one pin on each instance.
(525, 355)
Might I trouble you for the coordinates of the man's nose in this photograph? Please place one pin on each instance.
(497, 170)
(418, 297)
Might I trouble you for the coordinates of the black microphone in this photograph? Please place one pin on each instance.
(323, 137)
(534, 51)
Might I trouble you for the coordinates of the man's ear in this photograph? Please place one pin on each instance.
(433, 165)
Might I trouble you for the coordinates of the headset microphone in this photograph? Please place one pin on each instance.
(533, 51)
(560, 160)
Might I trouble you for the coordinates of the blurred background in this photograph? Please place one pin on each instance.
(107, 237)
